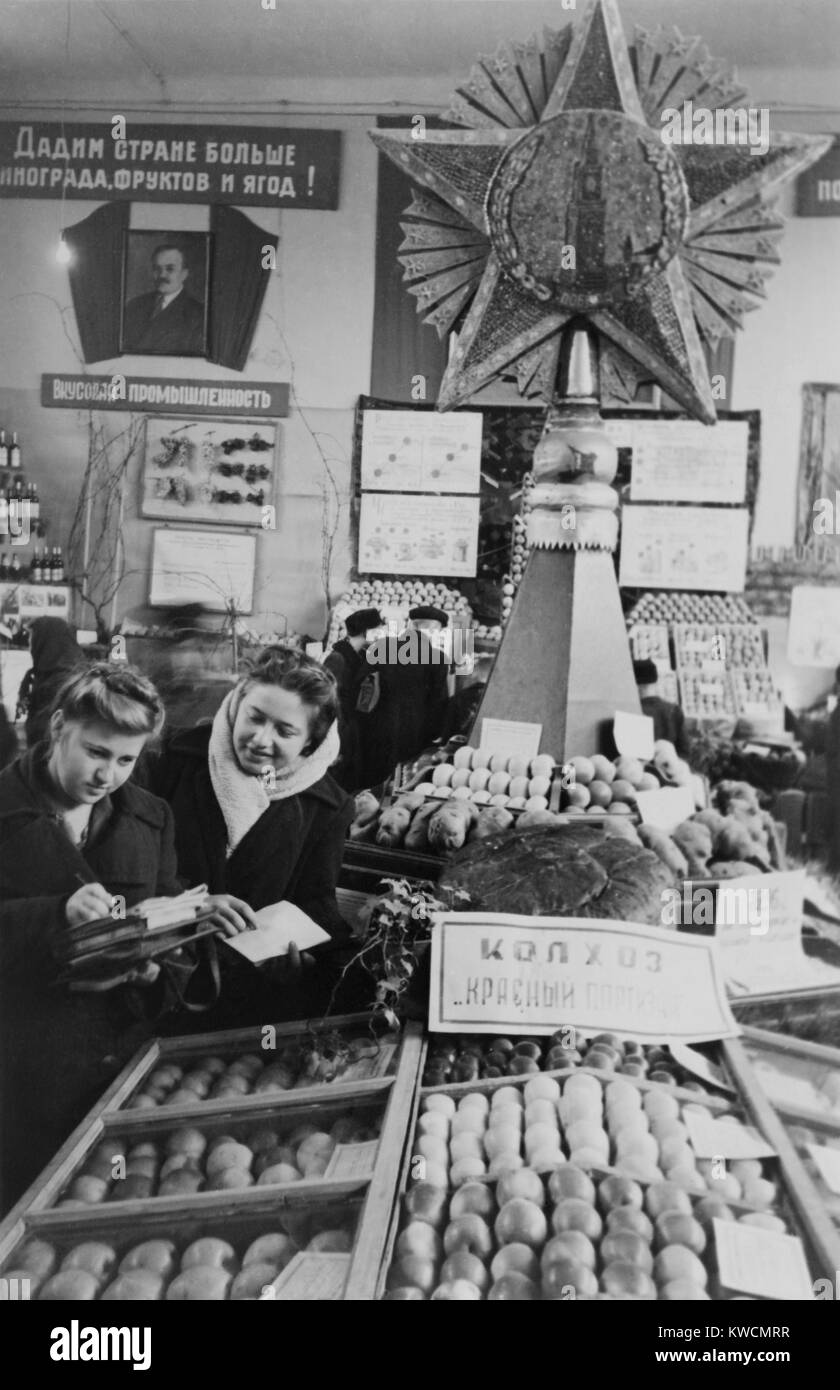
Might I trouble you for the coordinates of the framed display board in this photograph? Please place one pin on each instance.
(209, 567)
(401, 533)
(217, 471)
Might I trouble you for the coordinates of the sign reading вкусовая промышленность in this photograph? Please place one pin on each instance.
(249, 166)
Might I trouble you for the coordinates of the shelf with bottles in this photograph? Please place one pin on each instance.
(44, 567)
(20, 503)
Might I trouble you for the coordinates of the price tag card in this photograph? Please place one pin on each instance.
(310, 1278)
(698, 1065)
(729, 1139)
(633, 734)
(828, 1162)
(510, 736)
(352, 1161)
(764, 1264)
(666, 808)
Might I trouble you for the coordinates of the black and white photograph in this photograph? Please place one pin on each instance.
(420, 676)
(165, 293)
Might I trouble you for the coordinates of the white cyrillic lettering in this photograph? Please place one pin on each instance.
(240, 157)
(25, 137)
(202, 183)
(189, 152)
(257, 156)
(287, 189)
(177, 151)
(211, 152)
(146, 148)
(79, 147)
(32, 177)
(96, 149)
(187, 181)
(44, 150)
(20, 177)
(161, 150)
(226, 153)
(121, 149)
(250, 183)
(122, 179)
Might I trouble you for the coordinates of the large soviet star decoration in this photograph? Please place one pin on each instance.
(562, 199)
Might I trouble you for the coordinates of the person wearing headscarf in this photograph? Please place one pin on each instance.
(668, 719)
(258, 815)
(55, 656)
(347, 663)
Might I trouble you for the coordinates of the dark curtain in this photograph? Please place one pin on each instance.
(403, 346)
(238, 284)
(95, 272)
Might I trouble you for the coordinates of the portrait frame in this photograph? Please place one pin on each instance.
(181, 327)
(209, 470)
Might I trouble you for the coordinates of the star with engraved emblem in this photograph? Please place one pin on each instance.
(564, 199)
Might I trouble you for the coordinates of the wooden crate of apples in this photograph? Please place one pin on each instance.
(236, 1260)
(225, 1155)
(556, 1188)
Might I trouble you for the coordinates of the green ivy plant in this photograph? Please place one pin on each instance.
(395, 929)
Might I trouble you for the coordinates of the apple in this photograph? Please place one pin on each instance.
(571, 1181)
(586, 1134)
(429, 1146)
(643, 1146)
(466, 1170)
(710, 1209)
(186, 1141)
(568, 1279)
(186, 1180)
(209, 1250)
(520, 1220)
(175, 1162)
(726, 1187)
(157, 1256)
(332, 1242)
(619, 1191)
(230, 1180)
(318, 1145)
(37, 1258)
(426, 1202)
(583, 1085)
(142, 1167)
(630, 769)
(472, 1198)
(458, 1291)
(686, 1176)
(571, 1245)
(624, 1247)
(69, 1286)
(228, 1155)
(250, 1282)
(501, 1139)
(523, 1183)
(624, 1280)
(622, 1092)
(94, 1256)
(134, 1286)
(515, 1258)
(666, 1196)
(541, 1136)
(575, 1214)
(214, 1065)
(541, 1112)
(513, 1287)
(434, 1123)
(87, 1188)
(638, 1167)
(503, 1163)
(744, 1169)
(542, 1088)
(759, 1192)
(764, 1219)
(463, 1264)
(678, 1262)
(683, 1291)
(675, 1153)
(469, 1232)
(584, 769)
(507, 1095)
(199, 1283)
(413, 1271)
(675, 1228)
(512, 1115)
(603, 767)
(630, 1219)
(436, 1173)
(418, 1238)
(444, 1104)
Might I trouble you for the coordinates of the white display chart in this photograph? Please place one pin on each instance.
(684, 461)
(418, 535)
(814, 626)
(215, 568)
(702, 548)
(421, 451)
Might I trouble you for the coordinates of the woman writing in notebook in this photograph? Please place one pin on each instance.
(257, 814)
(75, 836)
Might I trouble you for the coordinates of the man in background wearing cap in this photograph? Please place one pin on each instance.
(347, 663)
(413, 694)
(668, 719)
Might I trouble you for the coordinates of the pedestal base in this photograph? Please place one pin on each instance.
(565, 659)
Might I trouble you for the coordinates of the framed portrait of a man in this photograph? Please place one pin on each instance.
(165, 293)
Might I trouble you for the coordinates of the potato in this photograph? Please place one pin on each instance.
(479, 779)
(94, 1256)
(338, 1241)
(230, 1179)
(250, 1282)
(70, 1286)
(38, 1258)
(188, 1141)
(275, 1247)
(137, 1285)
(155, 1255)
(278, 1173)
(207, 1283)
(226, 1155)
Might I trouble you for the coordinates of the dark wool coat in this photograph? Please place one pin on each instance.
(60, 1050)
(349, 668)
(292, 853)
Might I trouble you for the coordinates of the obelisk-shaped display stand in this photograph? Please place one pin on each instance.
(564, 661)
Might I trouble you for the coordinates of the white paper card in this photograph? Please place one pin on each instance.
(666, 808)
(698, 1065)
(696, 548)
(711, 1138)
(280, 924)
(421, 451)
(633, 734)
(763, 1263)
(310, 1277)
(510, 736)
(828, 1162)
(352, 1160)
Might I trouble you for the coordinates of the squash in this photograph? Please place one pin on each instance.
(491, 820)
(417, 835)
(449, 825)
(653, 837)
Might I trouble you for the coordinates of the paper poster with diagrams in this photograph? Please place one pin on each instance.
(213, 568)
(220, 471)
(701, 548)
(418, 535)
(421, 451)
(814, 626)
(683, 460)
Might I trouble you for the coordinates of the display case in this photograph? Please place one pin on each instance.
(802, 1082)
(306, 1154)
(593, 1140)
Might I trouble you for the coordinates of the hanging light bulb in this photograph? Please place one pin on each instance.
(63, 253)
